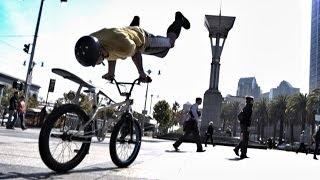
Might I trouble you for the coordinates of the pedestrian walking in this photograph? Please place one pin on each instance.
(245, 121)
(12, 110)
(302, 146)
(21, 112)
(316, 139)
(191, 127)
(131, 41)
(209, 134)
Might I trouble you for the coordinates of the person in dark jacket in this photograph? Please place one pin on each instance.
(209, 134)
(191, 127)
(316, 139)
(245, 122)
(12, 110)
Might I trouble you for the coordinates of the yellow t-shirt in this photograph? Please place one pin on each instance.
(121, 43)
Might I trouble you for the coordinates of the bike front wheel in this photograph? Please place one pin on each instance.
(125, 142)
(63, 142)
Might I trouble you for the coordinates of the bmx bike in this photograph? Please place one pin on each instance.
(66, 134)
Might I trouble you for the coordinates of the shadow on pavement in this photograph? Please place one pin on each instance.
(235, 159)
(174, 151)
(52, 175)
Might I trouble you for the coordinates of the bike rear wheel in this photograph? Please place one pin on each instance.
(62, 143)
(125, 142)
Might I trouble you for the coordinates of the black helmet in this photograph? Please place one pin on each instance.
(88, 50)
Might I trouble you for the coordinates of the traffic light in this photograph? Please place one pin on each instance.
(51, 85)
(26, 48)
(17, 85)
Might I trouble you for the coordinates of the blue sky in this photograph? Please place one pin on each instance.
(270, 40)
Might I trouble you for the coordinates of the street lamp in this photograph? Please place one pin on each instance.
(150, 103)
(29, 72)
(144, 111)
(218, 27)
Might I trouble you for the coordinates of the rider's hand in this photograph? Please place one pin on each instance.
(145, 79)
(108, 77)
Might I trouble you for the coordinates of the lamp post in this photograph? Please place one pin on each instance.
(144, 111)
(150, 103)
(30, 67)
(218, 27)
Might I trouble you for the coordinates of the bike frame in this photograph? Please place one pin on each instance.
(97, 108)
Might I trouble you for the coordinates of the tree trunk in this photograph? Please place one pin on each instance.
(281, 131)
(259, 130)
(274, 130)
(312, 122)
(303, 122)
(291, 133)
(262, 129)
(223, 124)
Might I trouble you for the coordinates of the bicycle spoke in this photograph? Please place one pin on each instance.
(63, 150)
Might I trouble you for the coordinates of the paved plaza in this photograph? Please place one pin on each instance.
(20, 159)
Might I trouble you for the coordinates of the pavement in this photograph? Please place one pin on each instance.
(20, 159)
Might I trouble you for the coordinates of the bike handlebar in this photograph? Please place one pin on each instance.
(127, 94)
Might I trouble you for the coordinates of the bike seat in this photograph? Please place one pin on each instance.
(68, 75)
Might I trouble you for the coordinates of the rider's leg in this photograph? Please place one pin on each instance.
(174, 29)
(159, 46)
(111, 69)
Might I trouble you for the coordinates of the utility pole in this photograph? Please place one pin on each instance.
(30, 67)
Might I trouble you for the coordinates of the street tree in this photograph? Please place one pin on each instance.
(260, 115)
(313, 103)
(281, 105)
(162, 114)
(273, 117)
(297, 103)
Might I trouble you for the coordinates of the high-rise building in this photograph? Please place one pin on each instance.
(314, 79)
(284, 88)
(248, 87)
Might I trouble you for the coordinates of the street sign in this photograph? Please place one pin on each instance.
(51, 85)
(317, 117)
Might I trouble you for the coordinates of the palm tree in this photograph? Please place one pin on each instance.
(281, 104)
(313, 102)
(291, 119)
(260, 113)
(272, 115)
(297, 103)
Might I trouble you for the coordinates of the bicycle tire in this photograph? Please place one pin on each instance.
(44, 138)
(114, 139)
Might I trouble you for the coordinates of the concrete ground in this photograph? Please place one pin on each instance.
(20, 159)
